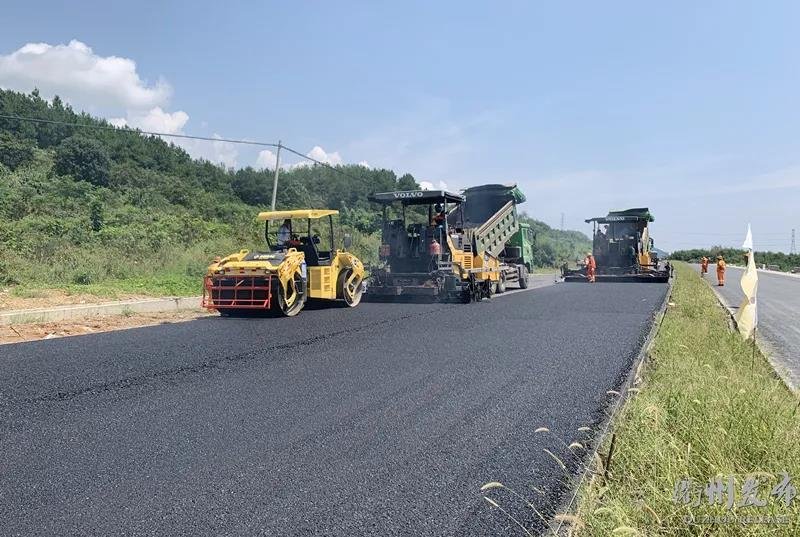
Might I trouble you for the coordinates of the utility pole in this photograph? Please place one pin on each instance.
(277, 172)
(562, 221)
(793, 248)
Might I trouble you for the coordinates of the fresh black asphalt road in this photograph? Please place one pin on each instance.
(385, 419)
(778, 315)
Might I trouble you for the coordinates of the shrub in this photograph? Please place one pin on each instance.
(14, 152)
(84, 159)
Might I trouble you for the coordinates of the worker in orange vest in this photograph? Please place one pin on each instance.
(591, 267)
(720, 271)
(704, 266)
(434, 248)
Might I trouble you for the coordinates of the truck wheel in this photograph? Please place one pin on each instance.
(523, 277)
(501, 284)
(350, 292)
(470, 292)
(466, 295)
(488, 289)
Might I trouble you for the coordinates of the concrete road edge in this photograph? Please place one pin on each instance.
(762, 345)
(81, 311)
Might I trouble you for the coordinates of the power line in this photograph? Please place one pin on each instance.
(138, 131)
(170, 135)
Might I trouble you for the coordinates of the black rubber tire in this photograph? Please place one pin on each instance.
(467, 293)
(500, 288)
(523, 277)
(488, 289)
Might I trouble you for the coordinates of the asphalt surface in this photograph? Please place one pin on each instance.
(778, 316)
(385, 419)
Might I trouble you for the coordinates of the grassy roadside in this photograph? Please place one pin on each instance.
(156, 285)
(706, 409)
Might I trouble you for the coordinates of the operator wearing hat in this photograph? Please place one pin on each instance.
(440, 217)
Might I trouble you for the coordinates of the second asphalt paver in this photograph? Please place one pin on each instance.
(380, 420)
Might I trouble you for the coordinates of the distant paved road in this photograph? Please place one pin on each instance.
(778, 316)
(381, 420)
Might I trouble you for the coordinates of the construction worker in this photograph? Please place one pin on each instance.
(440, 217)
(720, 271)
(633, 257)
(704, 266)
(284, 233)
(591, 267)
(434, 248)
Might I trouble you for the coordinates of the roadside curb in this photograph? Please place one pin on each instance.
(81, 311)
(624, 394)
(763, 347)
(768, 271)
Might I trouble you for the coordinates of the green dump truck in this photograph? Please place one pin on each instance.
(482, 205)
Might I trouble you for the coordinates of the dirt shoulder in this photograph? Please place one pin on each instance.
(47, 298)
(34, 331)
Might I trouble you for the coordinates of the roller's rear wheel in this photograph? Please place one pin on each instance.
(349, 288)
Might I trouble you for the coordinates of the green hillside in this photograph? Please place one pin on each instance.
(555, 247)
(107, 211)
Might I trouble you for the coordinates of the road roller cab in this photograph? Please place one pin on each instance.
(300, 262)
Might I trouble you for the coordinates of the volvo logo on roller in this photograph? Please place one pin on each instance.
(409, 194)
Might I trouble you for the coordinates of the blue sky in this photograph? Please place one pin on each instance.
(689, 108)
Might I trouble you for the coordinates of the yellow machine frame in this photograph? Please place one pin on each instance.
(249, 277)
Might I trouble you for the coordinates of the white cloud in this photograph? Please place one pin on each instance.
(154, 120)
(428, 185)
(105, 85)
(111, 87)
(217, 151)
(223, 153)
(266, 160)
(157, 120)
(317, 153)
(80, 76)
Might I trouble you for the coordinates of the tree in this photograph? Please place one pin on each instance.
(96, 214)
(14, 152)
(84, 159)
